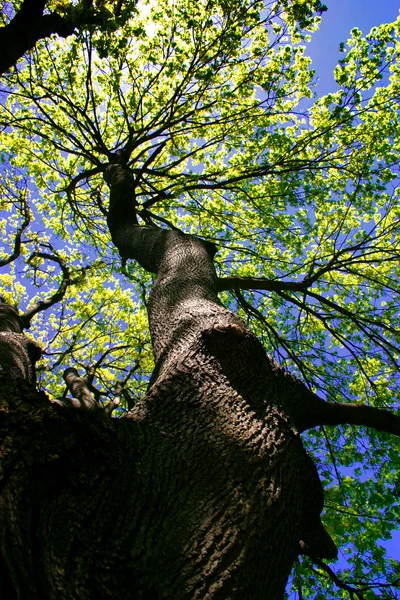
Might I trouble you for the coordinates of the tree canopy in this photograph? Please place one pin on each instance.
(212, 107)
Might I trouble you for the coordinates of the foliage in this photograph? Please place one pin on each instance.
(212, 105)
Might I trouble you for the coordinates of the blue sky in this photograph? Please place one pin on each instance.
(340, 18)
(337, 21)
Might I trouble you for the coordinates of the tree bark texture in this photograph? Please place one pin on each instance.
(204, 492)
(18, 353)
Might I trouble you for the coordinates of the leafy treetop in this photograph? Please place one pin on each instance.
(211, 106)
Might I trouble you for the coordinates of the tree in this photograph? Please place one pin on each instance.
(33, 20)
(201, 122)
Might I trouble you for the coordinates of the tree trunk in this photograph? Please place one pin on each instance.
(204, 492)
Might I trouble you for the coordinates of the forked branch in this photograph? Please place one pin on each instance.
(65, 282)
(354, 592)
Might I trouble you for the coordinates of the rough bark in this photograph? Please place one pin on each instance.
(195, 495)
(18, 353)
(203, 492)
(223, 371)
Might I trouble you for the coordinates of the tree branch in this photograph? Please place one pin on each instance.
(116, 400)
(17, 242)
(337, 581)
(30, 25)
(259, 283)
(79, 388)
(66, 281)
(27, 27)
(70, 188)
(331, 413)
(353, 591)
(309, 410)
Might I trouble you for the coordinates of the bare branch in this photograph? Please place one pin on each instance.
(260, 283)
(66, 281)
(78, 178)
(115, 402)
(79, 388)
(331, 413)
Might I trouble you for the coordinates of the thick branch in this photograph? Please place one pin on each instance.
(142, 243)
(27, 27)
(30, 25)
(331, 413)
(259, 283)
(309, 410)
(79, 388)
(115, 402)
